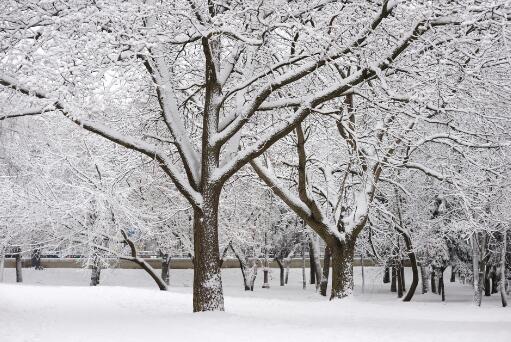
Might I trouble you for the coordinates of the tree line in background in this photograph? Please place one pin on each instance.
(262, 130)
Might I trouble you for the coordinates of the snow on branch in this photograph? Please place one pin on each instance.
(28, 112)
(108, 133)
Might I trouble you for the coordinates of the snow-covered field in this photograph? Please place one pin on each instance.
(129, 307)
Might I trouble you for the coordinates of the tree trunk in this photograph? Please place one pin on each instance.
(399, 272)
(402, 270)
(281, 268)
(386, 275)
(304, 278)
(148, 268)
(266, 284)
(207, 280)
(363, 275)
(477, 271)
(503, 270)
(453, 274)
(312, 265)
(415, 270)
(441, 287)
(142, 263)
(326, 272)
(316, 261)
(2, 263)
(19, 274)
(494, 280)
(165, 268)
(424, 279)
(36, 259)
(393, 287)
(342, 268)
(95, 275)
(433, 281)
(487, 283)
(245, 272)
(252, 276)
(287, 262)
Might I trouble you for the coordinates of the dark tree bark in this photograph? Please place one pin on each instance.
(207, 281)
(266, 284)
(36, 259)
(503, 297)
(386, 275)
(326, 272)
(441, 287)
(342, 268)
(281, 273)
(393, 286)
(19, 274)
(433, 282)
(165, 268)
(312, 265)
(453, 274)
(424, 279)
(95, 275)
(487, 283)
(494, 280)
(403, 282)
(415, 270)
(287, 262)
(399, 273)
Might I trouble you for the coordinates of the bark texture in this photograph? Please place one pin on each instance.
(326, 272)
(19, 272)
(342, 269)
(207, 281)
(165, 268)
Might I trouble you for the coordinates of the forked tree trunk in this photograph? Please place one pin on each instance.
(19, 274)
(342, 268)
(503, 270)
(326, 272)
(165, 268)
(207, 280)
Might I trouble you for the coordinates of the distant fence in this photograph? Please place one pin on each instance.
(176, 263)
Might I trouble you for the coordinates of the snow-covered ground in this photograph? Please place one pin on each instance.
(129, 307)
